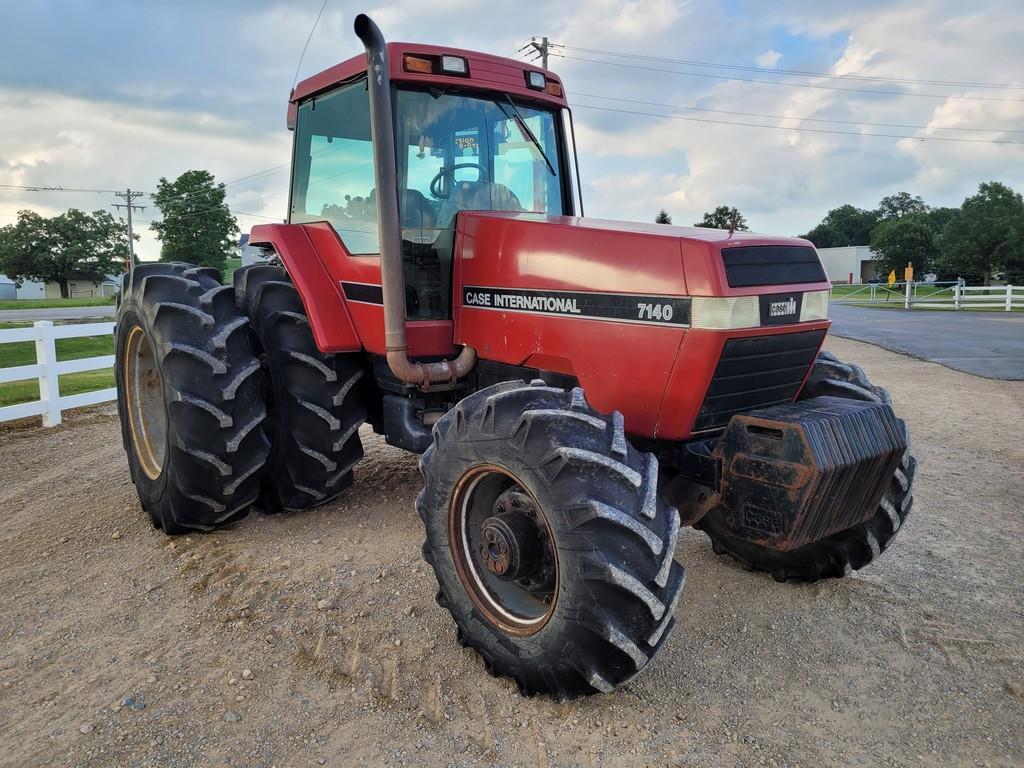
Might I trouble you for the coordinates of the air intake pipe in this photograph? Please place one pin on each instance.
(390, 225)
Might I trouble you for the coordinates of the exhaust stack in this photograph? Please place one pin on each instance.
(390, 224)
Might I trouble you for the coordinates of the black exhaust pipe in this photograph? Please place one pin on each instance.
(390, 224)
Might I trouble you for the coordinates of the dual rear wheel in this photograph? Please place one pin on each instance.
(225, 400)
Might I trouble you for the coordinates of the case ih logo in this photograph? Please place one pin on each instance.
(782, 308)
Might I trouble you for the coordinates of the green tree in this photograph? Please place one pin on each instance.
(722, 218)
(196, 225)
(826, 236)
(938, 218)
(902, 240)
(986, 235)
(899, 205)
(73, 245)
(845, 225)
(663, 217)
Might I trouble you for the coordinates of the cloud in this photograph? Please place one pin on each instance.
(785, 180)
(208, 84)
(73, 142)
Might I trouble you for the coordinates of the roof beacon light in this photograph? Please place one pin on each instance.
(454, 65)
(536, 80)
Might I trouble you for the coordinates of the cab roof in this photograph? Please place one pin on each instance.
(486, 73)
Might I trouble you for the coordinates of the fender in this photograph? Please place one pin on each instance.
(321, 295)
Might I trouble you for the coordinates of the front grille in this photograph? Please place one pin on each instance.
(756, 372)
(750, 265)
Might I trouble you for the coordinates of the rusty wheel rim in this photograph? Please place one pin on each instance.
(504, 550)
(147, 417)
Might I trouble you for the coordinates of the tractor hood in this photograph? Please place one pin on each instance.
(571, 253)
(641, 314)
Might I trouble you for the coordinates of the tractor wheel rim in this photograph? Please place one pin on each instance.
(147, 417)
(504, 550)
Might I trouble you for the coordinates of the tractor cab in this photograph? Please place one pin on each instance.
(463, 141)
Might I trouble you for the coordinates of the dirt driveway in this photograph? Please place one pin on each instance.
(315, 640)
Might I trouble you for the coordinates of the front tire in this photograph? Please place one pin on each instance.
(188, 394)
(516, 469)
(846, 551)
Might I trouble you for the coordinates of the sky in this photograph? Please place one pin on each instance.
(109, 94)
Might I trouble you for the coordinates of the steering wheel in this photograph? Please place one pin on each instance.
(435, 183)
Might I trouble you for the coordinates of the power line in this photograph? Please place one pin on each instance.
(786, 84)
(56, 188)
(807, 119)
(805, 130)
(802, 73)
(265, 172)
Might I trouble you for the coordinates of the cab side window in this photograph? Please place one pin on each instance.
(333, 177)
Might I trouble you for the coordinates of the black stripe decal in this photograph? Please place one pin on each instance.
(617, 307)
(367, 294)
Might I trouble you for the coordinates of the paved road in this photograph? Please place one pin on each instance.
(63, 313)
(989, 344)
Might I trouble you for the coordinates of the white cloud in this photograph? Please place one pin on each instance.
(783, 180)
(786, 180)
(61, 140)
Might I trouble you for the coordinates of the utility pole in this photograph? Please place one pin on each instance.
(128, 196)
(542, 48)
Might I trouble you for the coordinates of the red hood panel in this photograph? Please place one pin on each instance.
(574, 253)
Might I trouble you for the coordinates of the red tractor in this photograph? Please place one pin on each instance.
(578, 389)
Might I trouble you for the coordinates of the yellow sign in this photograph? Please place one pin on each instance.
(892, 278)
(908, 273)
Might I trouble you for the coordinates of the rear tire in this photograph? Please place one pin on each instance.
(615, 586)
(313, 399)
(188, 388)
(846, 551)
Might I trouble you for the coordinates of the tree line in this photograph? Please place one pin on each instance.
(723, 217)
(195, 226)
(982, 238)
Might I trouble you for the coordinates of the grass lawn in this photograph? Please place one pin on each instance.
(230, 265)
(100, 301)
(24, 353)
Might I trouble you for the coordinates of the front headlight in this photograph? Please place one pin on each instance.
(722, 313)
(815, 306)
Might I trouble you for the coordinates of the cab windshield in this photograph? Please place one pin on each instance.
(470, 153)
(466, 153)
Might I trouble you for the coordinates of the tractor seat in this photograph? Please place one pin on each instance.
(417, 210)
(477, 196)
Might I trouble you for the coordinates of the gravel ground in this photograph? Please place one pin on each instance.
(314, 639)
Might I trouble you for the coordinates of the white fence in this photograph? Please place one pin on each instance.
(47, 368)
(931, 295)
(1005, 297)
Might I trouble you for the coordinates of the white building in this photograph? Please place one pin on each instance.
(32, 289)
(852, 263)
(27, 290)
(250, 253)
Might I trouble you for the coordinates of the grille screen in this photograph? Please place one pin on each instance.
(755, 372)
(751, 265)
